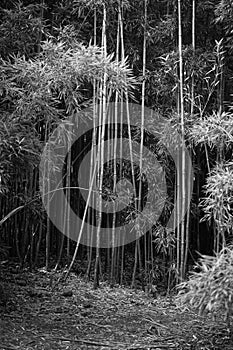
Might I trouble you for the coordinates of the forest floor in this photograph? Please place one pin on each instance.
(75, 316)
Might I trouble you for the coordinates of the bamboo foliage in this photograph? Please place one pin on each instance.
(37, 90)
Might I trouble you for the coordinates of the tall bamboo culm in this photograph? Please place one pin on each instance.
(183, 193)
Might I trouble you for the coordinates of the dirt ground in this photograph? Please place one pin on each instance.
(75, 316)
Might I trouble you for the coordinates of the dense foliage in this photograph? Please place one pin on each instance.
(209, 288)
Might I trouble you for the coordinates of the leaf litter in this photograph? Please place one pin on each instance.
(74, 316)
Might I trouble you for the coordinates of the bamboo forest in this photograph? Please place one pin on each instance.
(116, 176)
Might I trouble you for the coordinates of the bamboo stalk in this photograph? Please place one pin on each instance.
(47, 249)
(103, 116)
(40, 34)
(67, 206)
(177, 211)
(143, 124)
(129, 128)
(90, 231)
(182, 267)
(193, 47)
(114, 256)
(192, 114)
(37, 249)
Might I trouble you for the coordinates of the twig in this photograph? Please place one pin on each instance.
(155, 323)
(84, 341)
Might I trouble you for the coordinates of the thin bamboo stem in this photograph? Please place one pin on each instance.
(182, 267)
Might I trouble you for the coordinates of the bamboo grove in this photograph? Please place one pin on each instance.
(92, 60)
